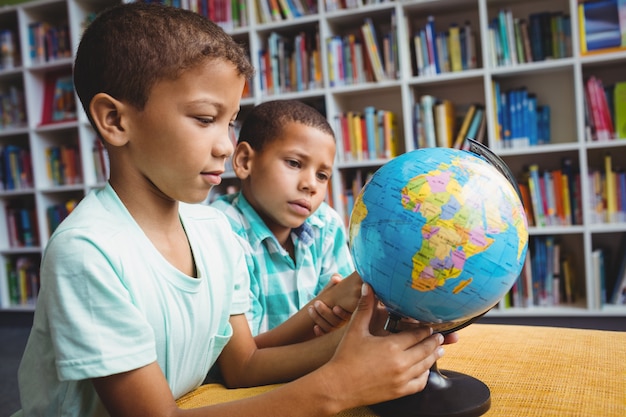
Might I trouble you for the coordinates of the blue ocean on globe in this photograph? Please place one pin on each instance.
(440, 235)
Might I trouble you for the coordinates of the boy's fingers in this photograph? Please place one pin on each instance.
(363, 313)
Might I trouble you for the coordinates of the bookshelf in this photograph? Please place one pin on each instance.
(321, 31)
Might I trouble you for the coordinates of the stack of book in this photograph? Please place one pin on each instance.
(552, 197)
(437, 123)
(23, 279)
(514, 40)
(605, 110)
(367, 135)
(16, 172)
(439, 52)
(602, 25)
(521, 120)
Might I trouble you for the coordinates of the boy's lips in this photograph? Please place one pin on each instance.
(213, 177)
(301, 206)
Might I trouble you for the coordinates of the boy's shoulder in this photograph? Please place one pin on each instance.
(325, 216)
(237, 210)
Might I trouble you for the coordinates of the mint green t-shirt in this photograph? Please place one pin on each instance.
(110, 303)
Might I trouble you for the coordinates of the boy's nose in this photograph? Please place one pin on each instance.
(224, 146)
(308, 181)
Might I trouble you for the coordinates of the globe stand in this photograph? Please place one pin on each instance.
(447, 393)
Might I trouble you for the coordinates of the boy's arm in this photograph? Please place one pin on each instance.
(364, 370)
(301, 326)
(244, 362)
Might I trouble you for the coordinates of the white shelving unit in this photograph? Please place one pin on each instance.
(557, 83)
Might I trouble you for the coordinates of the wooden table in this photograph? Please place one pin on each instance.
(531, 371)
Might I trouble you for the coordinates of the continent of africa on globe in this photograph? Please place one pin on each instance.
(440, 235)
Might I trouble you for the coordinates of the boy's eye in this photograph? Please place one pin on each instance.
(205, 120)
(322, 176)
(293, 163)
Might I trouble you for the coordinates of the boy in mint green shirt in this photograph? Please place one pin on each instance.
(143, 289)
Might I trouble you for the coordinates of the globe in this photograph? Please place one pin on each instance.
(440, 234)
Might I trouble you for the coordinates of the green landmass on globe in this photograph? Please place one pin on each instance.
(440, 235)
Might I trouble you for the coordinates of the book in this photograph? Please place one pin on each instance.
(59, 103)
(597, 296)
(601, 25)
(619, 106)
(618, 290)
(373, 50)
(371, 133)
(444, 123)
(431, 44)
(610, 190)
(476, 121)
(427, 103)
(454, 49)
(467, 120)
(621, 10)
(535, 195)
(391, 139)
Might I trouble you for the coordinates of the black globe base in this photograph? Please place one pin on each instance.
(447, 393)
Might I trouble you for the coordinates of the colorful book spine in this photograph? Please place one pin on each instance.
(369, 114)
(535, 195)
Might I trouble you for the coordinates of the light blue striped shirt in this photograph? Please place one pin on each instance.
(279, 287)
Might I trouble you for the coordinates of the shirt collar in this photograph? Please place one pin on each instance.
(259, 230)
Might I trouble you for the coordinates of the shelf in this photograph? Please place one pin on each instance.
(557, 83)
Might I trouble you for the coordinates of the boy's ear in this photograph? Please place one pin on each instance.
(106, 113)
(242, 160)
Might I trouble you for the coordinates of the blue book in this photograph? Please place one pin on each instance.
(541, 131)
(532, 119)
(370, 131)
(429, 67)
(504, 42)
(26, 229)
(549, 270)
(535, 195)
(380, 119)
(602, 26)
(512, 101)
(534, 34)
(621, 186)
(473, 129)
(506, 120)
(431, 34)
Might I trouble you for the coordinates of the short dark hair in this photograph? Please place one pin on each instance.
(131, 46)
(266, 121)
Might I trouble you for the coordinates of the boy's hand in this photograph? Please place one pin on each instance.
(344, 293)
(335, 304)
(380, 368)
(327, 319)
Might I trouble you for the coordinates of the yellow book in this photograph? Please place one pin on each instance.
(581, 28)
(460, 137)
(454, 47)
(611, 189)
(358, 135)
(567, 208)
(373, 51)
(391, 134)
